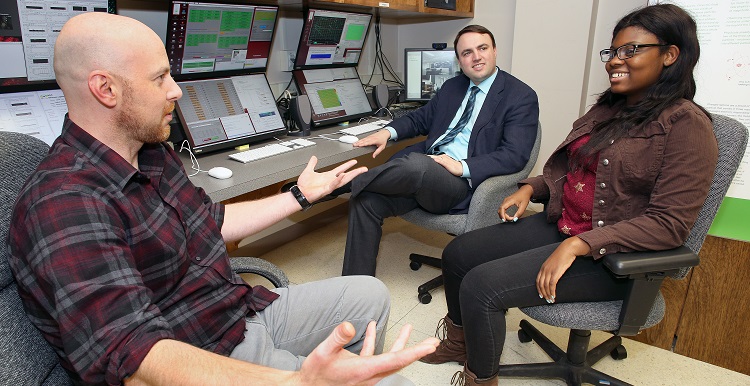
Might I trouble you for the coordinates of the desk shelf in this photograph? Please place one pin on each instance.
(396, 9)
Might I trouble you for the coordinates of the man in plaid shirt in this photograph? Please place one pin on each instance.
(121, 261)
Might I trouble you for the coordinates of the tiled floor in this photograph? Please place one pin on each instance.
(318, 255)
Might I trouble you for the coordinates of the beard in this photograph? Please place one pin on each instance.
(142, 129)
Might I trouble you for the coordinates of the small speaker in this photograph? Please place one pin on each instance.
(301, 112)
(380, 95)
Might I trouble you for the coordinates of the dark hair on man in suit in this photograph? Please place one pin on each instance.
(472, 28)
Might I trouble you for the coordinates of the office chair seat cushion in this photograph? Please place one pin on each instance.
(601, 316)
(454, 224)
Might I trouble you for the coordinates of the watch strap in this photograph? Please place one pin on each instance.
(301, 199)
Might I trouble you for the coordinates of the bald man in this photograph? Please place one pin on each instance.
(121, 261)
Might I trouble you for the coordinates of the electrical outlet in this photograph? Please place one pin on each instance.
(290, 56)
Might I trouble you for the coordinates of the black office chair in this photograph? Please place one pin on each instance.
(25, 357)
(644, 305)
(482, 212)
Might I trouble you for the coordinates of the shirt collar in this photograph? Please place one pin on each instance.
(486, 84)
(111, 165)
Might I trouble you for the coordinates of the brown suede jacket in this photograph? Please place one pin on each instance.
(650, 185)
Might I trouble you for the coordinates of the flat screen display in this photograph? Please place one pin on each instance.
(331, 39)
(220, 113)
(425, 71)
(208, 40)
(336, 94)
(28, 31)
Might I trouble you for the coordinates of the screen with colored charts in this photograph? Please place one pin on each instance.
(220, 113)
(425, 71)
(28, 31)
(331, 39)
(335, 94)
(206, 40)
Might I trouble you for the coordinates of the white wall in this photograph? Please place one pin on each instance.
(551, 41)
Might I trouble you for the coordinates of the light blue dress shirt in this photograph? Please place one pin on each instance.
(458, 149)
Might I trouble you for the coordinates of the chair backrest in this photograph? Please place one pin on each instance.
(731, 137)
(25, 357)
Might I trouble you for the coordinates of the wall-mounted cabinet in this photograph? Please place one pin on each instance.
(406, 9)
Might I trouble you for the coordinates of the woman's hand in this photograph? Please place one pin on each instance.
(519, 199)
(556, 265)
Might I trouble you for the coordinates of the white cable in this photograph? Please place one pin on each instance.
(193, 159)
(383, 108)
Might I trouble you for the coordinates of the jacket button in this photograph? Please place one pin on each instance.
(197, 259)
(603, 251)
(603, 185)
(601, 202)
(611, 141)
(600, 223)
(605, 162)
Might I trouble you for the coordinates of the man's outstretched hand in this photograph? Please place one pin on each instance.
(315, 185)
(331, 364)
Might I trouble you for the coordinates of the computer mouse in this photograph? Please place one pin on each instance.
(348, 139)
(220, 172)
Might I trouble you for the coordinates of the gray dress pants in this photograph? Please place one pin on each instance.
(392, 189)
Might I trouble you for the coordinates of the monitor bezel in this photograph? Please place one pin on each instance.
(226, 73)
(406, 73)
(334, 120)
(41, 85)
(215, 147)
(305, 18)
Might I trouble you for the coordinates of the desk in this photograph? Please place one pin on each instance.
(259, 174)
(262, 178)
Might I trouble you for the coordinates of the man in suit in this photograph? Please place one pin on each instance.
(480, 124)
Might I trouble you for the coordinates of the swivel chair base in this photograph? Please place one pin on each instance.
(574, 367)
(424, 290)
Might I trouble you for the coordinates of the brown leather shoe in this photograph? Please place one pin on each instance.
(452, 346)
(467, 378)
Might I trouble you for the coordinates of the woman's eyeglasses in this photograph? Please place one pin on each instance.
(625, 51)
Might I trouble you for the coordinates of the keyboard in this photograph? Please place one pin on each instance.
(270, 150)
(365, 127)
(398, 113)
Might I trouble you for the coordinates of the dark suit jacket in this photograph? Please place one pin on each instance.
(503, 134)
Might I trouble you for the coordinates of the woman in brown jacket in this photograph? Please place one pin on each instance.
(631, 176)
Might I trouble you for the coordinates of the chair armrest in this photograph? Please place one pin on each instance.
(630, 263)
(259, 267)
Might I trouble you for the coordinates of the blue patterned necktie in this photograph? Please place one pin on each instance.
(448, 138)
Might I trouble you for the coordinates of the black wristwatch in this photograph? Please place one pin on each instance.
(300, 198)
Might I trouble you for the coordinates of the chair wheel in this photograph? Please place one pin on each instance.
(619, 353)
(415, 265)
(425, 298)
(523, 337)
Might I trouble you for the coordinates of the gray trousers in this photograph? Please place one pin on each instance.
(288, 330)
(389, 190)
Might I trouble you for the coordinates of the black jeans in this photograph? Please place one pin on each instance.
(507, 258)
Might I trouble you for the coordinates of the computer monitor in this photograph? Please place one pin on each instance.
(213, 39)
(336, 94)
(331, 39)
(220, 113)
(39, 114)
(28, 30)
(425, 71)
